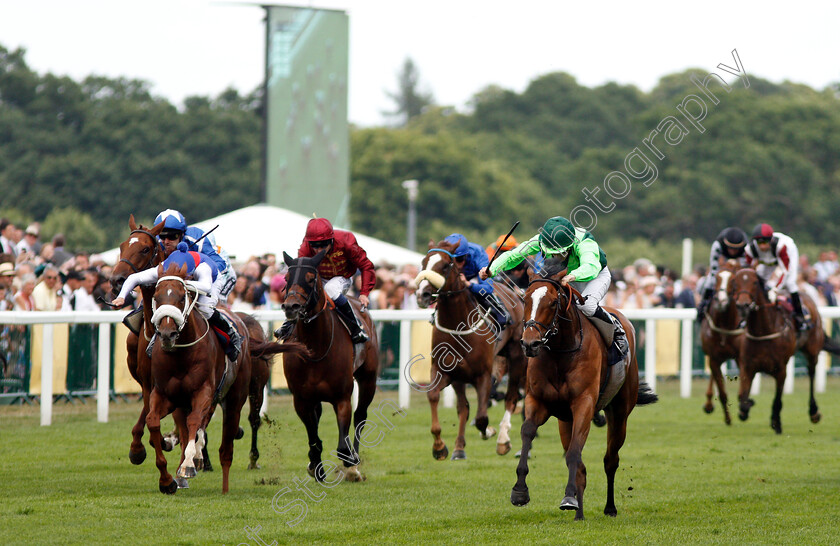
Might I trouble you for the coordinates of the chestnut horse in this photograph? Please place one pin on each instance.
(464, 345)
(720, 334)
(770, 339)
(142, 251)
(568, 378)
(190, 374)
(327, 373)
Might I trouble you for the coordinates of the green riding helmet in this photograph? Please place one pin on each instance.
(557, 236)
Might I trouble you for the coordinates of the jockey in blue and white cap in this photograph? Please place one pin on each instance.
(175, 230)
(471, 258)
(203, 273)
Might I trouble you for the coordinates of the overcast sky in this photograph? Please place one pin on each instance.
(198, 47)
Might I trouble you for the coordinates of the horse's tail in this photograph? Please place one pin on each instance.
(646, 395)
(264, 349)
(831, 346)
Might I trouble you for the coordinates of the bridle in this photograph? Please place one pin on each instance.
(154, 246)
(310, 303)
(550, 330)
(440, 293)
(179, 316)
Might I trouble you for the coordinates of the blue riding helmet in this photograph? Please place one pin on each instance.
(463, 247)
(173, 219)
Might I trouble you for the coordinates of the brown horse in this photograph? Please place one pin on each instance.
(137, 253)
(568, 378)
(720, 335)
(464, 346)
(190, 374)
(327, 373)
(770, 339)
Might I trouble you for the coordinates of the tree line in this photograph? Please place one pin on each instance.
(90, 153)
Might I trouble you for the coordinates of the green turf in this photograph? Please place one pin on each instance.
(685, 477)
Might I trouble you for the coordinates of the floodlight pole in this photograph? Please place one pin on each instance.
(411, 186)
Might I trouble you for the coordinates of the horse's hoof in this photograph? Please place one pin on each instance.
(239, 434)
(489, 432)
(610, 511)
(727, 419)
(776, 426)
(137, 457)
(170, 489)
(708, 408)
(253, 465)
(743, 415)
(207, 466)
(815, 418)
(317, 472)
(459, 455)
(182, 483)
(352, 474)
(503, 449)
(186, 472)
(569, 503)
(440, 454)
(199, 464)
(599, 420)
(519, 498)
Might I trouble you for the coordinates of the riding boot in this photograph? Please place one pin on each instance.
(798, 315)
(704, 303)
(221, 324)
(357, 334)
(150, 347)
(497, 311)
(285, 332)
(618, 348)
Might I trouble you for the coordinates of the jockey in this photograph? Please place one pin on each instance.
(776, 260)
(730, 244)
(501, 245)
(203, 272)
(587, 271)
(175, 230)
(343, 258)
(471, 259)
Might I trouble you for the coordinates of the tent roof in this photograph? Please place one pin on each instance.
(261, 229)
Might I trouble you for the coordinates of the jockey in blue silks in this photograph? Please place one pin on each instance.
(471, 258)
(203, 272)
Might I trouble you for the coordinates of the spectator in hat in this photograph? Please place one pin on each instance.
(277, 291)
(45, 293)
(7, 275)
(30, 242)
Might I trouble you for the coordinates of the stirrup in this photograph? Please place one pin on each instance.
(360, 337)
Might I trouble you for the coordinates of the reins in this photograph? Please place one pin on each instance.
(304, 316)
(179, 316)
(552, 328)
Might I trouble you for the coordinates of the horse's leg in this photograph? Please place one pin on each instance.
(255, 397)
(310, 414)
(137, 451)
(160, 407)
(231, 411)
(535, 415)
(813, 409)
(201, 402)
(516, 369)
(463, 407)
(717, 378)
(439, 449)
(617, 413)
(744, 402)
(776, 415)
(346, 452)
(367, 389)
(574, 436)
(482, 389)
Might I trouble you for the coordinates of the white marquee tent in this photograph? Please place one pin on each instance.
(261, 229)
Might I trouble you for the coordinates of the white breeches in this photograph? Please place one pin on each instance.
(337, 286)
(595, 289)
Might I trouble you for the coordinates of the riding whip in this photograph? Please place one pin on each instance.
(495, 254)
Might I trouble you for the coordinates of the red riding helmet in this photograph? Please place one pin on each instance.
(318, 229)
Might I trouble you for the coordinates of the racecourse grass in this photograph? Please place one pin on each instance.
(685, 477)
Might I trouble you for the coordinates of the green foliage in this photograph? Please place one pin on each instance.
(79, 229)
(409, 99)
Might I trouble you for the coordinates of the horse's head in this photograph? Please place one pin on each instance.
(171, 304)
(140, 251)
(749, 291)
(440, 269)
(302, 285)
(724, 291)
(546, 302)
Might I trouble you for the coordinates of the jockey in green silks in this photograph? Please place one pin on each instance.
(586, 271)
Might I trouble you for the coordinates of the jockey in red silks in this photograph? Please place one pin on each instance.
(776, 260)
(343, 258)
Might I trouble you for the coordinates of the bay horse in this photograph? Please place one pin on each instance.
(720, 334)
(770, 339)
(326, 374)
(568, 378)
(190, 374)
(464, 345)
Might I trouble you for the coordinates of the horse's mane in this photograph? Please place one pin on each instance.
(553, 266)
